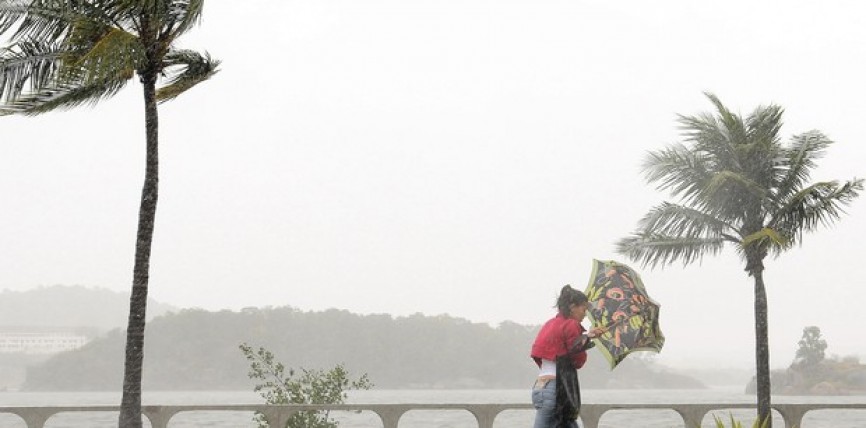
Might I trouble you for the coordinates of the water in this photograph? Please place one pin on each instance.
(437, 418)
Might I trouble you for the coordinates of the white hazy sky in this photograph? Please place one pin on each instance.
(466, 157)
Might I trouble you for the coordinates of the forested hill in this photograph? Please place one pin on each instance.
(196, 349)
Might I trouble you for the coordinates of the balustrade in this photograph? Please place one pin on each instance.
(390, 414)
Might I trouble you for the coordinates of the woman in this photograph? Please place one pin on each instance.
(559, 350)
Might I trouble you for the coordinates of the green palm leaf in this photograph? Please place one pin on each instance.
(819, 204)
(64, 49)
(50, 99)
(654, 249)
(27, 61)
(193, 69)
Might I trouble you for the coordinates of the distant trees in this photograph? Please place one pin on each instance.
(737, 185)
(811, 350)
(198, 350)
(811, 373)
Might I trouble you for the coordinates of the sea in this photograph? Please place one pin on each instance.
(436, 418)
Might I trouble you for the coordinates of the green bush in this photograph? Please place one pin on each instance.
(308, 387)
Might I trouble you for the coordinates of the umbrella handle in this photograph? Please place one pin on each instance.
(607, 328)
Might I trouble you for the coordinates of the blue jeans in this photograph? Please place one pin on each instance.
(544, 400)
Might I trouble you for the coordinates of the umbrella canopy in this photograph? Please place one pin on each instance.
(619, 303)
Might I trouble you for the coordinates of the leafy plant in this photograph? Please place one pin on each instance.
(303, 387)
(737, 424)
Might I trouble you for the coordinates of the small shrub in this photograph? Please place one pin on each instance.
(738, 424)
(308, 387)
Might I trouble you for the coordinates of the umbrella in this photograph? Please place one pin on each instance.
(618, 302)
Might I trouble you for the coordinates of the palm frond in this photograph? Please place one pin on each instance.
(733, 128)
(113, 54)
(820, 204)
(679, 170)
(88, 46)
(653, 249)
(39, 19)
(728, 187)
(764, 124)
(52, 19)
(194, 68)
(11, 12)
(63, 97)
(766, 238)
(26, 61)
(758, 152)
(709, 137)
(717, 136)
(184, 14)
(678, 220)
(798, 160)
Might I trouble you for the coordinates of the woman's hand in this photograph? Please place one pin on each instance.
(595, 332)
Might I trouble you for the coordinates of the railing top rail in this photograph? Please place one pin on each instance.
(423, 406)
(159, 415)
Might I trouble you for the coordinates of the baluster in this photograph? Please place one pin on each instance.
(484, 415)
(390, 416)
(590, 415)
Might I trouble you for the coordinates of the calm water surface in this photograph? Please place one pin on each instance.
(432, 419)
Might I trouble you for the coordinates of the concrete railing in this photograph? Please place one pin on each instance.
(390, 414)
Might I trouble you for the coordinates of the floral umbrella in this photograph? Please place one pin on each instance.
(618, 302)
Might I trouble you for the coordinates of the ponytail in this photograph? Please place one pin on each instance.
(569, 296)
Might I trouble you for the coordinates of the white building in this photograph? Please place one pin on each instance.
(39, 340)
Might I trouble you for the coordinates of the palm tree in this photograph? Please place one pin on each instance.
(64, 53)
(737, 184)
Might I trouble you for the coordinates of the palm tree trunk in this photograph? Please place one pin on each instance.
(762, 349)
(130, 406)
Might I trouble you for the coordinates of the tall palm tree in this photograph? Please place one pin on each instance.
(64, 53)
(737, 184)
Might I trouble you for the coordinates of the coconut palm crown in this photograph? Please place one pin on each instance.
(65, 53)
(737, 184)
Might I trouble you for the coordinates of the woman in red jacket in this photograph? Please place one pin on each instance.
(559, 350)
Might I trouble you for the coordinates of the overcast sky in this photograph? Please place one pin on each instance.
(466, 157)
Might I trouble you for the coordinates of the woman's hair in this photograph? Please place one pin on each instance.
(567, 297)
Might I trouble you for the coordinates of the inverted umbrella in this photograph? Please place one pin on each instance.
(618, 303)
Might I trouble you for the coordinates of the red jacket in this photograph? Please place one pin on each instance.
(555, 335)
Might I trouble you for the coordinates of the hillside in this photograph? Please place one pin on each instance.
(196, 349)
(88, 312)
(76, 306)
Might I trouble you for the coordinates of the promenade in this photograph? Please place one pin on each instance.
(390, 414)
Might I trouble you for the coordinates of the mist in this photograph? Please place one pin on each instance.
(465, 158)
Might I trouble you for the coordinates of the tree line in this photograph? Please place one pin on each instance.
(196, 349)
